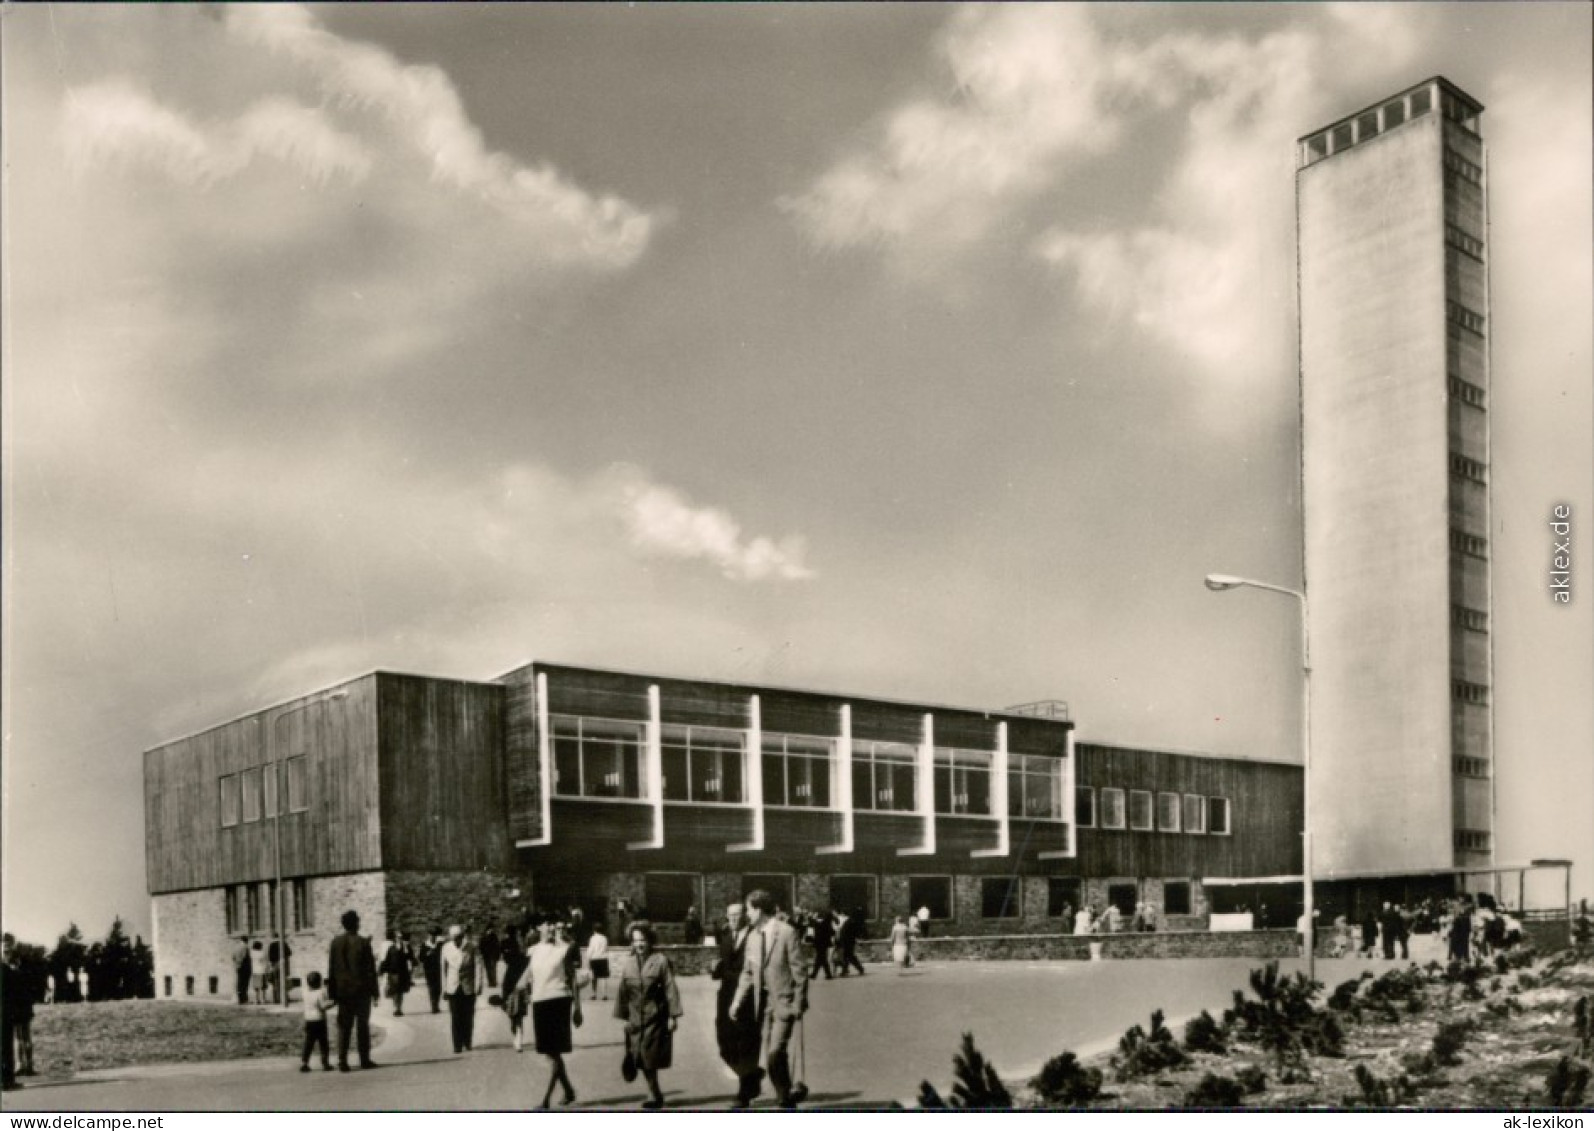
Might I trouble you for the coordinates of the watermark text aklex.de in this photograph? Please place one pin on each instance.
(1561, 557)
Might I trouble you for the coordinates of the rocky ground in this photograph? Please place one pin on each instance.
(1512, 1032)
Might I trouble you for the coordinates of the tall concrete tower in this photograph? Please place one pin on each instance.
(1392, 234)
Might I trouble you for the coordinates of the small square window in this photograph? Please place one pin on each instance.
(1421, 103)
(1367, 126)
(1218, 816)
(1394, 114)
(1140, 809)
(1343, 139)
(1064, 896)
(934, 892)
(1112, 808)
(1000, 897)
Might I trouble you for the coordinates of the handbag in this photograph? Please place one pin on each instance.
(628, 1065)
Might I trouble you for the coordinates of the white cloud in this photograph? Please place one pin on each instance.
(425, 110)
(1041, 94)
(663, 521)
(112, 124)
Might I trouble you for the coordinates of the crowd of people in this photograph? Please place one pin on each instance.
(1469, 926)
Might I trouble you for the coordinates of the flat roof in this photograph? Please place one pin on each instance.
(795, 690)
(1449, 87)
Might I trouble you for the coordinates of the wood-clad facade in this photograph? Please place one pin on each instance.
(417, 801)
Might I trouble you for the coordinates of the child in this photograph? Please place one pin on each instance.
(316, 1004)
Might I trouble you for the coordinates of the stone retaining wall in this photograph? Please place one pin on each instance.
(1005, 948)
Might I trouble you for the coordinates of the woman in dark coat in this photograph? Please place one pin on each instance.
(649, 1004)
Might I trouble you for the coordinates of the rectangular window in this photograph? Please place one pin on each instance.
(1064, 897)
(269, 777)
(1140, 809)
(1316, 148)
(250, 783)
(1168, 812)
(233, 903)
(1035, 788)
(168, 983)
(1195, 813)
(1124, 897)
(669, 895)
(885, 777)
(1218, 816)
(270, 898)
(1465, 317)
(1465, 691)
(703, 765)
(1463, 467)
(1176, 897)
(1112, 808)
(963, 782)
(1342, 138)
(1466, 392)
(1367, 126)
(231, 801)
(1473, 620)
(188, 984)
(1394, 114)
(302, 920)
(1421, 102)
(854, 895)
(779, 886)
(1472, 840)
(1459, 166)
(215, 984)
(934, 892)
(1000, 897)
(598, 758)
(298, 771)
(252, 907)
(1085, 807)
(1472, 767)
(799, 771)
(1470, 246)
(1470, 544)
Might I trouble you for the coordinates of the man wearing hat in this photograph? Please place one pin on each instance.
(351, 982)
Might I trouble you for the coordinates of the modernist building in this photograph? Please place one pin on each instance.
(1394, 353)
(422, 802)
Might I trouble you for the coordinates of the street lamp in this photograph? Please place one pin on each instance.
(279, 790)
(1218, 583)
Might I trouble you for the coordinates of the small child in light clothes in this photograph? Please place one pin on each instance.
(316, 1004)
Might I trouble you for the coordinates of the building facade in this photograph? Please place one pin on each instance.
(1394, 355)
(422, 802)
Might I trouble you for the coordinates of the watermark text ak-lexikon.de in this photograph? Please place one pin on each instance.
(1561, 556)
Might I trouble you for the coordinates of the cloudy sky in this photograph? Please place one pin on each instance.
(914, 351)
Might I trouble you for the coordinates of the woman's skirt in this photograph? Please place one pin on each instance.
(899, 953)
(599, 967)
(550, 1025)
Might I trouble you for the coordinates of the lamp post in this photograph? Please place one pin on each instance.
(1218, 583)
(279, 789)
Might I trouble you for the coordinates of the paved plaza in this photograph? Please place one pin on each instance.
(869, 1041)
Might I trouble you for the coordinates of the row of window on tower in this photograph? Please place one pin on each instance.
(604, 759)
(250, 795)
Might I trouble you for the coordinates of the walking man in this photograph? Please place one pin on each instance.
(351, 982)
(824, 935)
(461, 983)
(738, 1037)
(241, 972)
(774, 985)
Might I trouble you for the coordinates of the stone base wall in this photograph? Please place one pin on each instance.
(189, 929)
(418, 901)
(1001, 948)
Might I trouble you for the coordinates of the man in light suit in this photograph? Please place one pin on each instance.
(462, 979)
(351, 982)
(774, 986)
